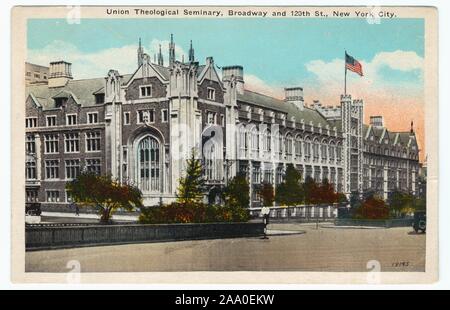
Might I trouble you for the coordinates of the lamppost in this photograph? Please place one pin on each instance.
(265, 212)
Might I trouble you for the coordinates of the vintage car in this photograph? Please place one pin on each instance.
(420, 221)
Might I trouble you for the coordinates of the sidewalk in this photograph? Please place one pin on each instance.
(132, 218)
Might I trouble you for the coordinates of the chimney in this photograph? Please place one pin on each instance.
(237, 72)
(377, 121)
(294, 95)
(60, 73)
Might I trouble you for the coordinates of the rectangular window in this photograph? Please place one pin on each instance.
(31, 122)
(32, 195)
(69, 197)
(30, 144)
(51, 121)
(71, 119)
(93, 141)
(211, 118)
(145, 116)
(146, 91)
(92, 117)
(52, 196)
(94, 165)
(164, 115)
(52, 169)
(126, 118)
(72, 168)
(72, 142)
(211, 94)
(51, 143)
(30, 170)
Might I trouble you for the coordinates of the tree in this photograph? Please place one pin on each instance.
(236, 193)
(192, 187)
(267, 194)
(402, 202)
(373, 208)
(310, 190)
(90, 189)
(290, 191)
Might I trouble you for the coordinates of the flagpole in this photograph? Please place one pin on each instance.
(345, 75)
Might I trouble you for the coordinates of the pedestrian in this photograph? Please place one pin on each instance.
(77, 210)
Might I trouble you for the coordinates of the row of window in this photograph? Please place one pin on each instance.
(72, 168)
(71, 143)
(51, 195)
(71, 119)
(289, 146)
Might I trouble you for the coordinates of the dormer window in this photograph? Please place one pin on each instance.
(211, 94)
(99, 98)
(59, 102)
(145, 91)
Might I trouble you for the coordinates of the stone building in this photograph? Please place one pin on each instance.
(141, 127)
(36, 74)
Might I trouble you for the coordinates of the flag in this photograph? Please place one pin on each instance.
(352, 64)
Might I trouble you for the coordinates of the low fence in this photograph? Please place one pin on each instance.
(73, 236)
(302, 213)
(374, 223)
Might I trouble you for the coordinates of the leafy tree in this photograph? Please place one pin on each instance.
(373, 208)
(267, 194)
(310, 190)
(90, 189)
(192, 186)
(402, 202)
(236, 192)
(290, 191)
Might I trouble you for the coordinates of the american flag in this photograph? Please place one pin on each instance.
(353, 65)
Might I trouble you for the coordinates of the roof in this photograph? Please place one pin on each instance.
(307, 114)
(83, 90)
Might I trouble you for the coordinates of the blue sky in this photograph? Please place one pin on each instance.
(274, 50)
(275, 53)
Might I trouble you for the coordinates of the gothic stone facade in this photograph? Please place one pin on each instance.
(141, 127)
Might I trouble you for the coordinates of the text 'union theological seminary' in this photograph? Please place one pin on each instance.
(142, 126)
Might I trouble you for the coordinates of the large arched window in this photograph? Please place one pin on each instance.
(243, 141)
(255, 141)
(149, 165)
(307, 146)
(316, 150)
(298, 147)
(267, 145)
(288, 146)
(324, 150)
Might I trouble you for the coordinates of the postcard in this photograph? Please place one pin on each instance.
(224, 144)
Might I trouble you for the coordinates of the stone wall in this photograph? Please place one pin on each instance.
(69, 236)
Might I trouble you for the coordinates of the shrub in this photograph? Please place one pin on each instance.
(373, 208)
(192, 213)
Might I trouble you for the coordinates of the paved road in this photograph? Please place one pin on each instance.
(323, 249)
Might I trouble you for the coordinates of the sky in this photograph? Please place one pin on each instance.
(275, 53)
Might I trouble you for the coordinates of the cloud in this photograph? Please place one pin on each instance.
(254, 83)
(331, 74)
(97, 64)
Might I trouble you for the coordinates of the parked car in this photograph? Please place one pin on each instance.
(420, 221)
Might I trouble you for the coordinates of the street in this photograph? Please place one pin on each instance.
(290, 247)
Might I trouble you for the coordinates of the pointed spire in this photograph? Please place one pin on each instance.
(191, 53)
(412, 127)
(171, 51)
(160, 57)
